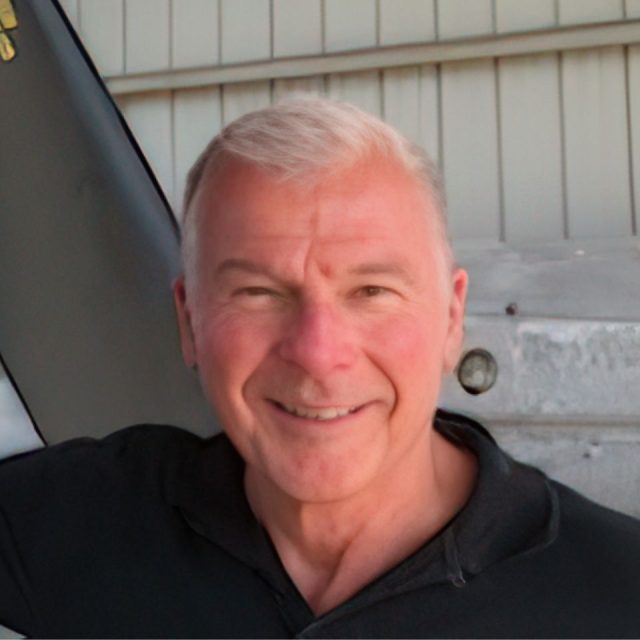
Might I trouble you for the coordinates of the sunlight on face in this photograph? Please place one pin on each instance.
(321, 322)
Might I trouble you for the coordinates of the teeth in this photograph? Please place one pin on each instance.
(327, 413)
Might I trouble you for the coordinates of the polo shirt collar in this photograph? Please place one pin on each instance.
(513, 510)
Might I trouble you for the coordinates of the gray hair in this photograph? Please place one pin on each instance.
(303, 139)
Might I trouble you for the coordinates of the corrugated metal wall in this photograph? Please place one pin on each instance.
(543, 146)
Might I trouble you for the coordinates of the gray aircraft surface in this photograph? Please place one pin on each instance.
(88, 250)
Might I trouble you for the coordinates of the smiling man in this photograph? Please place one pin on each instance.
(320, 306)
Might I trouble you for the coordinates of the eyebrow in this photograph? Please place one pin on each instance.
(396, 269)
(241, 264)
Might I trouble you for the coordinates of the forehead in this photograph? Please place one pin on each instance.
(369, 200)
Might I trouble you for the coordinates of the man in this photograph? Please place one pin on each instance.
(320, 306)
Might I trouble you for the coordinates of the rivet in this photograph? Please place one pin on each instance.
(477, 371)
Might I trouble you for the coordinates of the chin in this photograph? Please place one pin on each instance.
(314, 478)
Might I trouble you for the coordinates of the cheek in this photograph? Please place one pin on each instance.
(410, 341)
(230, 347)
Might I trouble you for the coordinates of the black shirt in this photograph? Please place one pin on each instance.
(148, 533)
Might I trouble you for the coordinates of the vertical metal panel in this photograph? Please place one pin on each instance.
(531, 148)
(470, 149)
(194, 33)
(197, 118)
(410, 103)
(581, 11)
(632, 8)
(401, 100)
(349, 25)
(407, 21)
(362, 89)
(297, 27)
(429, 111)
(634, 122)
(147, 39)
(458, 18)
(71, 9)
(245, 30)
(298, 87)
(102, 31)
(241, 97)
(150, 119)
(521, 15)
(597, 151)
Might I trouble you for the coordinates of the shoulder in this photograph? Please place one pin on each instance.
(600, 532)
(90, 468)
(95, 493)
(580, 510)
(131, 441)
(594, 559)
(93, 516)
(595, 564)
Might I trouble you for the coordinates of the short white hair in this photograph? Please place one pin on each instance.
(303, 140)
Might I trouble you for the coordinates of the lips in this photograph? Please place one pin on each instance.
(316, 413)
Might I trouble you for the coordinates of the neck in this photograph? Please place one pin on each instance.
(333, 549)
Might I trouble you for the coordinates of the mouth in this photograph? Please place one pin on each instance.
(316, 413)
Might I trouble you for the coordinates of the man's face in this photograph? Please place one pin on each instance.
(321, 322)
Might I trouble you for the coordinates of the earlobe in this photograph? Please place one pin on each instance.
(455, 337)
(187, 343)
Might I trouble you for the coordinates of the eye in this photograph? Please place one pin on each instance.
(371, 291)
(258, 297)
(257, 291)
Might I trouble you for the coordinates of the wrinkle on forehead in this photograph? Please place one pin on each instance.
(249, 205)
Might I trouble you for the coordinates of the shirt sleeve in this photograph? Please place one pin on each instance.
(46, 497)
(15, 610)
(27, 514)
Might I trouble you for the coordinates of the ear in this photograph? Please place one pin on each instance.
(455, 334)
(187, 343)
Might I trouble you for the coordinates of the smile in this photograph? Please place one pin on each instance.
(316, 413)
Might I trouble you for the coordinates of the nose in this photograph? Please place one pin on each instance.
(319, 340)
